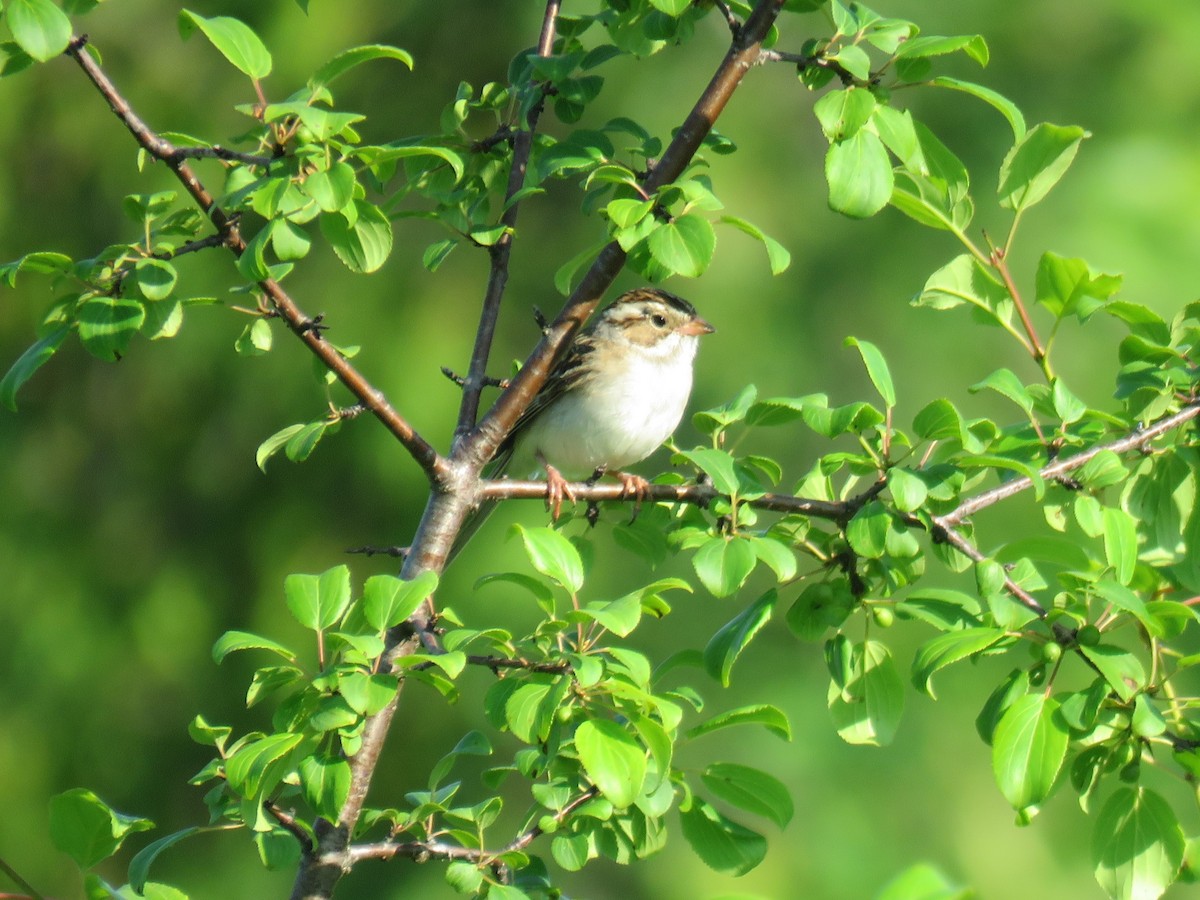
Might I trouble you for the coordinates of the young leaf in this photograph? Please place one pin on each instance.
(867, 709)
(778, 256)
(28, 363)
(87, 829)
(859, 175)
(684, 246)
(108, 324)
(362, 242)
(949, 648)
(1028, 749)
(1006, 107)
(1036, 163)
(877, 369)
(750, 789)
(724, 564)
(356, 56)
(1137, 844)
(843, 113)
(553, 555)
(727, 645)
(233, 38)
(318, 601)
(768, 716)
(39, 27)
(139, 866)
(612, 760)
(721, 843)
(325, 783)
(388, 601)
(233, 641)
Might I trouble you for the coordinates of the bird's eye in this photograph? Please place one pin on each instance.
(659, 320)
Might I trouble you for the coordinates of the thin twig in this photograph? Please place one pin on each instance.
(223, 153)
(1000, 264)
(694, 494)
(501, 250)
(204, 243)
(814, 61)
(1060, 467)
(288, 823)
(479, 446)
(434, 465)
(20, 882)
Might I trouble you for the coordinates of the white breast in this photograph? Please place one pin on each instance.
(613, 421)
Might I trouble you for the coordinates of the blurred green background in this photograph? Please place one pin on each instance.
(135, 527)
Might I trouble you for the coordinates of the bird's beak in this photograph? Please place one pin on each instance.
(696, 327)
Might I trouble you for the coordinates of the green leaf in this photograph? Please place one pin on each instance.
(108, 324)
(1137, 845)
(1028, 749)
(612, 760)
(778, 256)
(553, 555)
(750, 789)
(721, 843)
(356, 56)
(718, 465)
(1120, 543)
(139, 866)
(963, 280)
(934, 45)
(671, 7)
(464, 877)
(907, 489)
(819, 607)
(1006, 107)
(325, 783)
(233, 38)
(388, 601)
(877, 369)
(1120, 668)
(155, 278)
(727, 645)
(333, 188)
(39, 27)
(1006, 383)
(318, 601)
(684, 246)
(362, 243)
(724, 564)
(867, 531)
(233, 641)
(385, 153)
(255, 340)
(274, 443)
(949, 648)
(769, 717)
(859, 174)
(28, 363)
(867, 709)
(1036, 163)
(87, 829)
(922, 881)
(843, 113)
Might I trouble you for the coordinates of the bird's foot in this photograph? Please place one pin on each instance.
(634, 486)
(557, 489)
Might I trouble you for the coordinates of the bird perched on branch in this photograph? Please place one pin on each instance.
(619, 392)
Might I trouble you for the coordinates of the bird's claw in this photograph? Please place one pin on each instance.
(634, 486)
(557, 488)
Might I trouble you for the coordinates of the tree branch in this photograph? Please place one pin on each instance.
(479, 446)
(1061, 467)
(476, 378)
(694, 494)
(426, 456)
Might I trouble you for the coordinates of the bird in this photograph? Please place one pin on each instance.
(617, 394)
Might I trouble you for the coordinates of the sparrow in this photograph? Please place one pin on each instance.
(612, 400)
(619, 392)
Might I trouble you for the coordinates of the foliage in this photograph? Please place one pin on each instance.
(1089, 610)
